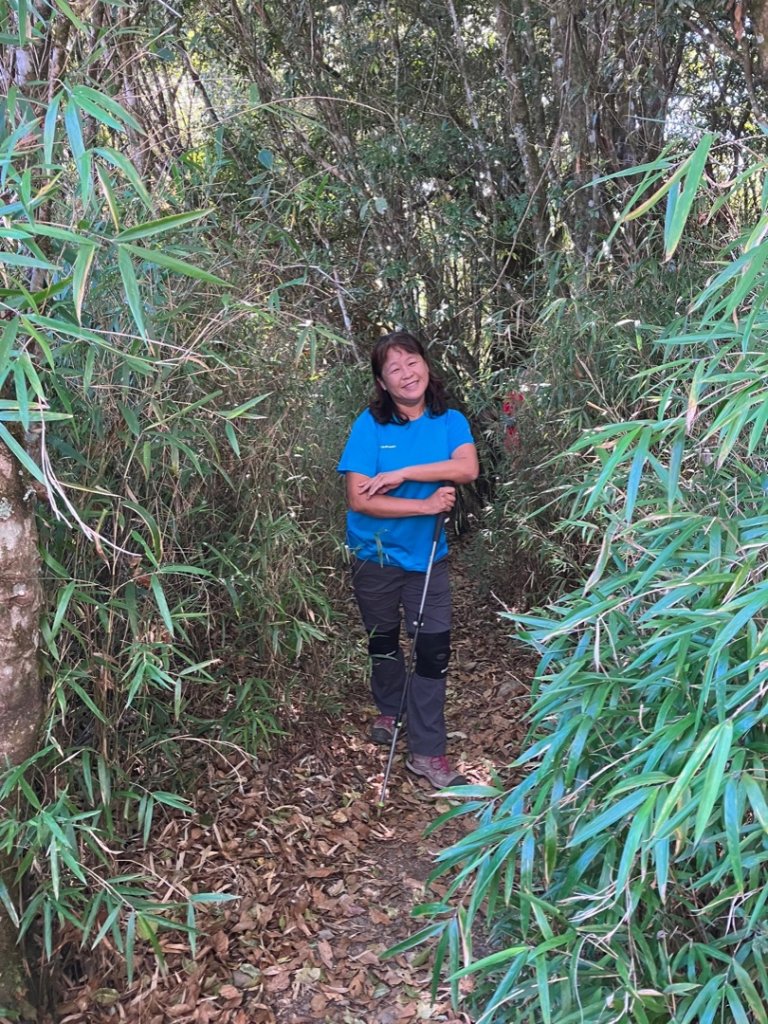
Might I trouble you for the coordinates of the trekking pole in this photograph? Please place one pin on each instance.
(441, 520)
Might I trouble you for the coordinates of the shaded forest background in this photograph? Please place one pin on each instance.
(208, 215)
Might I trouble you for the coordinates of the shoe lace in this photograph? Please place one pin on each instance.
(441, 763)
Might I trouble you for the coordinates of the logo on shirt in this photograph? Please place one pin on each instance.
(387, 446)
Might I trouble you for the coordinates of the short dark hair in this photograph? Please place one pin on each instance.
(383, 409)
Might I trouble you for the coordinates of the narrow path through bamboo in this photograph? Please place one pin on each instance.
(324, 880)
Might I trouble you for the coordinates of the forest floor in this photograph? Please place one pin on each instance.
(325, 881)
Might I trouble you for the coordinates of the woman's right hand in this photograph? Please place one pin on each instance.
(442, 500)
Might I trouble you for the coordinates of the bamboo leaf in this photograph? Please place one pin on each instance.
(162, 603)
(55, 231)
(106, 109)
(661, 859)
(130, 945)
(749, 275)
(109, 195)
(672, 196)
(8, 151)
(7, 902)
(152, 525)
(53, 864)
(49, 129)
(652, 200)
(86, 698)
(636, 472)
(634, 837)
(22, 21)
(752, 604)
(713, 779)
(756, 796)
(130, 418)
(675, 465)
(719, 281)
(80, 273)
(542, 984)
(7, 341)
(659, 165)
(231, 436)
(86, 104)
(16, 259)
(706, 1003)
(61, 607)
(68, 13)
(611, 464)
(737, 1008)
(602, 558)
(22, 397)
(131, 287)
(693, 395)
(747, 988)
(758, 432)
(616, 812)
(74, 130)
(162, 259)
(162, 225)
(233, 414)
(123, 164)
(692, 765)
(690, 186)
(413, 940)
(732, 816)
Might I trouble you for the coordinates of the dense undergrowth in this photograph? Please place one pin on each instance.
(589, 354)
(194, 609)
(182, 445)
(623, 878)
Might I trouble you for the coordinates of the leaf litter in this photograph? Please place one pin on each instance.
(324, 881)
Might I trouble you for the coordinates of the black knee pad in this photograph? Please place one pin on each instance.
(384, 643)
(433, 651)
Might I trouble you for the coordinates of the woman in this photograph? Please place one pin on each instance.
(404, 456)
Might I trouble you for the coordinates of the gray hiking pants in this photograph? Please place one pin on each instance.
(381, 591)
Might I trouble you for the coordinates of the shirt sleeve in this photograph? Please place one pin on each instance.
(361, 451)
(459, 432)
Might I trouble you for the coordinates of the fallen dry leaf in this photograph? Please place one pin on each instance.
(326, 953)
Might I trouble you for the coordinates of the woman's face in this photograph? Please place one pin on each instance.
(405, 375)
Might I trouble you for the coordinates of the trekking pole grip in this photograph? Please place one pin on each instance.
(441, 519)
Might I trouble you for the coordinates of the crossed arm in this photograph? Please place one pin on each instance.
(369, 494)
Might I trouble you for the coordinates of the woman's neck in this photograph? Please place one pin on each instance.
(411, 412)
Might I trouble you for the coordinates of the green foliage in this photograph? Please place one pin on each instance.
(591, 349)
(590, 352)
(181, 567)
(623, 878)
(178, 616)
(80, 888)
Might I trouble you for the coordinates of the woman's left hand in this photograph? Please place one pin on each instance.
(382, 483)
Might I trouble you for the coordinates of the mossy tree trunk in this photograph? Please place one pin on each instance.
(20, 693)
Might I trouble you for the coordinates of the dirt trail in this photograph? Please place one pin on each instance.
(325, 880)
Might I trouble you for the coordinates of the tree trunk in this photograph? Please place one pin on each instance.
(20, 694)
(520, 123)
(758, 13)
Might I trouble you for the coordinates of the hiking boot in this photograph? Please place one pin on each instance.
(383, 729)
(437, 770)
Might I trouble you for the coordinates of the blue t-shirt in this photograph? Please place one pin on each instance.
(376, 448)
